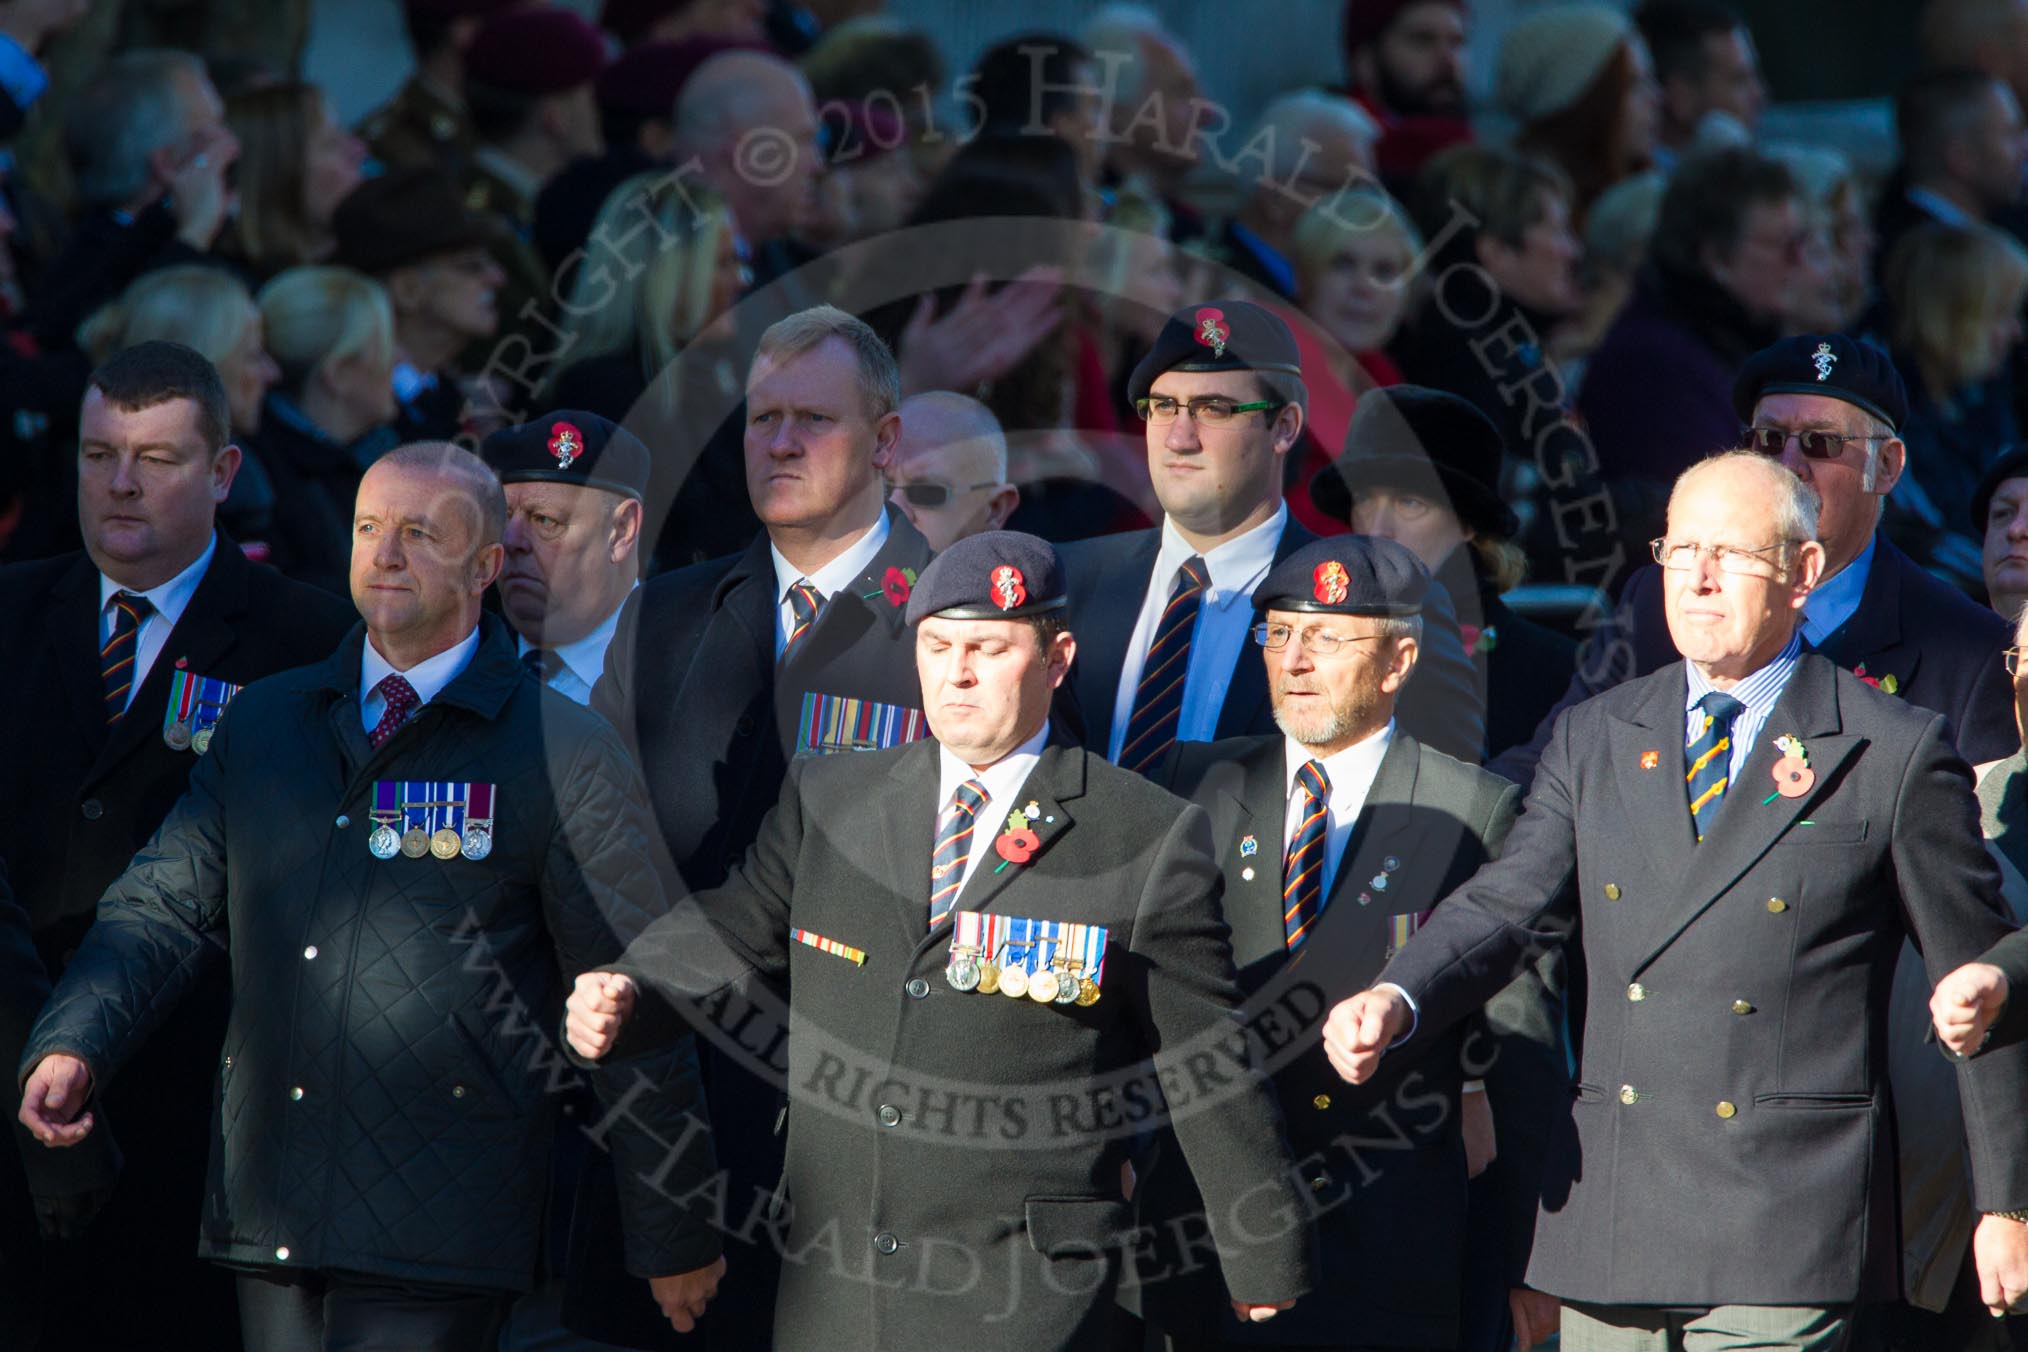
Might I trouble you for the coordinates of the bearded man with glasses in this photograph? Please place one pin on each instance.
(1828, 407)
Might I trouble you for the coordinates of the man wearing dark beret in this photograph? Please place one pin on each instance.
(2000, 516)
(1405, 65)
(1829, 407)
(425, 125)
(574, 486)
(983, 939)
(1165, 612)
(1373, 828)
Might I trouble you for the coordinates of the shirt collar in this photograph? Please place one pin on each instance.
(1271, 260)
(1837, 597)
(1757, 691)
(1940, 207)
(1002, 779)
(172, 597)
(1356, 764)
(586, 658)
(1236, 567)
(427, 677)
(840, 572)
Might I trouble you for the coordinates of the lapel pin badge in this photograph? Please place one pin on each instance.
(1249, 846)
(1365, 898)
(1650, 759)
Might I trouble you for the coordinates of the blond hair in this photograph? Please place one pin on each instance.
(1946, 285)
(879, 376)
(202, 307)
(273, 124)
(321, 314)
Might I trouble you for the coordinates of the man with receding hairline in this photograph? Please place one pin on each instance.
(395, 850)
(950, 468)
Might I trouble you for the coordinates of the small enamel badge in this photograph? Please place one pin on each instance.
(1212, 330)
(1650, 759)
(566, 443)
(1824, 359)
(1889, 684)
(1330, 582)
(1010, 589)
(1249, 846)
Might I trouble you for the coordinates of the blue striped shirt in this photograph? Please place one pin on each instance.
(1757, 692)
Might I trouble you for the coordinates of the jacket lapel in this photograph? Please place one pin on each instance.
(1751, 816)
(1252, 795)
(1105, 630)
(908, 808)
(1349, 940)
(1246, 708)
(1656, 798)
(1872, 637)
(1058, 779)
(77, 650)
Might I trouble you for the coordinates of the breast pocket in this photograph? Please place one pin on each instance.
(1818, 831)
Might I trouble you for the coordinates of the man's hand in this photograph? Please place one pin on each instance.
(1482, 1144)
(199, 194)
(52, 1100)
(1965, 1004)
(684, 1295)
(1361, 1028)
(2000, 1252)
(599, 1005)
(33, 22)
(1259, 1314)
(982, 337)
(1536, 1316)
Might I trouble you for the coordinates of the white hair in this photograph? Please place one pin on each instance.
(129, 110)
(1302, 113)
(1795, 503)
(730, 92)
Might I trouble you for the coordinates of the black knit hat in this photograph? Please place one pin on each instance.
(570, 447)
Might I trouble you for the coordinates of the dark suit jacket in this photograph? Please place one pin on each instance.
(1108, 579)
(1942, 650)
(78, 807)
(1728, 1139)
(959, 1153)
(1391, 1210)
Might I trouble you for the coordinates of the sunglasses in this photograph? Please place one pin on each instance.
(934, 495)
(1814, 444)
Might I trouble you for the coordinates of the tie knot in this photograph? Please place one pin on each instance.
(970, 797)
(136, 605)
(1314, 781)
(542, 663)
(1722, 707)
(1191, 575)
(395, 689)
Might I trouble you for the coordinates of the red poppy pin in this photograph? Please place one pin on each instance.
(1886, 685)
(896, 584)
(1650, 759)
(1793, 776)
(1010, 589)
(1018, 843)
(1332, 582)
(1212, 330)
(566, 443)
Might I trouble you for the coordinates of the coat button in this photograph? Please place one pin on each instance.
(1628, 1094)
(343, 821)
(885, 1242)
(310, 953)
(744, 727)
(1321, 1102)
(457, 1091)
(1612, 891)
(1637, 992)
(296, 1094)
(917, 988)
(282, 1254)
(93, 809)
(1726, 1110)
(1775, 905)
(890, 1116)
(1742, 1007)
(1320, 1182)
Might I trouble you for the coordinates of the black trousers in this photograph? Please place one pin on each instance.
(341, 1312)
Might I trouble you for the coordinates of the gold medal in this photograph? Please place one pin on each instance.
(445, 844)
(177, 735)
(1042, 986)
(200, 741)
(1013, 982)
(1087, 991)
(415, 842)
(989, 978)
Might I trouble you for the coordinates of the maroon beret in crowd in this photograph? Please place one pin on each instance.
(536, 52)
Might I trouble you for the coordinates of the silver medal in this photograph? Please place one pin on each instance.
(478, 842)
(385, 843)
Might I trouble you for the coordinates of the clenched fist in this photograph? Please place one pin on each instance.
(53, 1099)
(1361, 1028)
(598, 1008)
(1965, 1004)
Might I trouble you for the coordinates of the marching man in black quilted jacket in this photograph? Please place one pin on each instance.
(397, 851)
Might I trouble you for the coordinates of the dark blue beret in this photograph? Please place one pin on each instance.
(1346, 575)
(570, 447)
(2012, 464)
(1218, 335)
(1430, 441)
(999, 575)
(1830, 364)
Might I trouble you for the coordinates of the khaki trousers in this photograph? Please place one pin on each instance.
(1724, 1328)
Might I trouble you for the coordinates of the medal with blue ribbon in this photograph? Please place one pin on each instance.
(196, 703)
(436, 817)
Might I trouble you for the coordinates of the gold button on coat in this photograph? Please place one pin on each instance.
(1321, 1102)
(1628, 1094)
(1637, 992)
(1742, 1007)
(1612, 891)
(1776, 905)
(1726, 1109)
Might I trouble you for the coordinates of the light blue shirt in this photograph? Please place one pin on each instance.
(427, 677)
(582, 662)
(1836, 598)
(21, 75)
(1219, 639)
(1757, 692)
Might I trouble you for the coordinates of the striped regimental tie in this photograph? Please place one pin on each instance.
(1303, 869)
(1710, 758)
(1158, 699)
(954, 847)
(804, 602)
(116, 659)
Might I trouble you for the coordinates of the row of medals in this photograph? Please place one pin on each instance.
(1061, 983)
(386, 843)
(180, 738)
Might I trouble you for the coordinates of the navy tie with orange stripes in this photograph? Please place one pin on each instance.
(954, 848)
(1158, 699)
(1303, 870)
(804, 602)
(1710, 758)
(116, 659)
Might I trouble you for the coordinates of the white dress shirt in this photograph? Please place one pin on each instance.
(833, 577)
(585, 660)
(426, 677)
(1002, 781)
(1226, 613)
(170, 600)
(1350, 773)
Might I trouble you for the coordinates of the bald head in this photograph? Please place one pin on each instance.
(950, 468)
(426, 531)
(461, 472)
(742, 115)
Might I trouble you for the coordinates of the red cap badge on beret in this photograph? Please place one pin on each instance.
(1212, 330)
(1009, 587)
(1332, 582)
(566, 443)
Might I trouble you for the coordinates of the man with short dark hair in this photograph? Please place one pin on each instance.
(1707, 71)
(1964, 147)
(1405, 65)
(963, 984)
(1165, 612)
(396, 850)
(125, 656)
(2000, 515)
